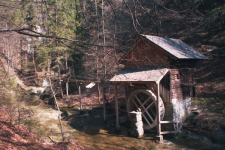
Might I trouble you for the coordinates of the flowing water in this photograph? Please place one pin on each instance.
(93, 133)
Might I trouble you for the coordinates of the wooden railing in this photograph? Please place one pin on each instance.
(168, 132)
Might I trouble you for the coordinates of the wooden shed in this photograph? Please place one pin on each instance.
(158, 76)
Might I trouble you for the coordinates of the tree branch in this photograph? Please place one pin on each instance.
(37, 34)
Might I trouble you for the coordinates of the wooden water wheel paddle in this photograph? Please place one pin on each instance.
(146, 101)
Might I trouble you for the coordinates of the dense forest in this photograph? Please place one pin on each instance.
(85, 39)
(90, 36)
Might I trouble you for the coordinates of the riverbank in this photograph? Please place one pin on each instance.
(90, 131)
(16, 137)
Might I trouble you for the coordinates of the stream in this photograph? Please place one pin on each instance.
(90, 131)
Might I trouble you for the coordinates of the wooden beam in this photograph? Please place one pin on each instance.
(153, 113)
(144, 102)
(142, 113)
(116, 105)
(168, 132)
(127, 97)
(145, 109)
(151, 89)
(163, 76)
(106, 83)
(119, 88)
(158, 111)
(111, 83)
(170, 96)
(164, 122)
(103, 93)
(135, 82)
(79, 81)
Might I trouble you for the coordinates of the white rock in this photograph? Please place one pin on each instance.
(135, 116)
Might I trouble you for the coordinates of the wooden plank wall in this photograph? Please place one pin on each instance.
(145, 53)
(164, 88)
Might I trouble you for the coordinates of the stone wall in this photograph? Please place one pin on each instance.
(181, 109)
(176, 111)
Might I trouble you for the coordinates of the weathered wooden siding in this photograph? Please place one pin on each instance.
(146, 53)
(164, 88)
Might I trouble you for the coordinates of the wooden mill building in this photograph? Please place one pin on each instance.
(158, 76)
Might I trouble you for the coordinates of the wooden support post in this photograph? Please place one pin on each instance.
(67, 89)
(99, 93)
(127, 96)
(103, 93)
(159, 136)
(116, 106)
(80, 99)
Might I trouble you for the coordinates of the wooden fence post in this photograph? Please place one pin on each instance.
(103, 93)
(116, 106)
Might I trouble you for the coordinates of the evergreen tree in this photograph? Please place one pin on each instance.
(63, 20)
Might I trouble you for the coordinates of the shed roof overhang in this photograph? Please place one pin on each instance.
(152, 76)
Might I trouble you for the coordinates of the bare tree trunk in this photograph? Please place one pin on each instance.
(97, 67)
(18, 107)
(34, 58)
(60, 81)
(66, 62)
(56, 103)
(103, 28)
(49, 63)
(4, 46)
(80, 99)
(7, 48)
(67, 89)
(12, 54)
(67, 84)
(96, 15)
(8, 56)
(56, 21)
(26, 58)
(21, 54)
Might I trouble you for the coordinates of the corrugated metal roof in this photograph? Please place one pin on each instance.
(176, 47)
(129, 74)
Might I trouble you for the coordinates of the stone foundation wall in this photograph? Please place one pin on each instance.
(177, 111)
(181, 110)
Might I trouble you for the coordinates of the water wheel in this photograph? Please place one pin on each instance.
(146, 101)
